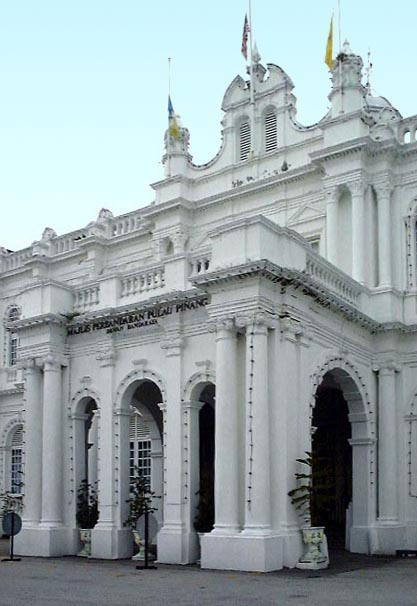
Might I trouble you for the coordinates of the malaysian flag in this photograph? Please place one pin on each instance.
(246, 30)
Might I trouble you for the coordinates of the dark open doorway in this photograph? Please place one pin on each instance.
(205, 507)
(332, 451)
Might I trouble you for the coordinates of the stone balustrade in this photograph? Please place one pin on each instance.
(200, 264)
(125, 225)
(143, 281)
(86, 298)
(14, 260)
(333, 279)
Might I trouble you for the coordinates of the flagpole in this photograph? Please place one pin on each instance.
(340, 62)
(340, 30)
(168, 134)
(252, 84)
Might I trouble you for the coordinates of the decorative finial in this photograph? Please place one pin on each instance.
(346, 50)
(256, 57)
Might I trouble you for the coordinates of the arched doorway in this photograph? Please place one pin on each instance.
(332, 461)
(85, 444)
(145, 440)
(204, 515)
(344, 436)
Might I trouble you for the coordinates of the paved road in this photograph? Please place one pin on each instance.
(74, 581)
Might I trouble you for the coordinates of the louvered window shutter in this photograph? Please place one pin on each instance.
(271, 139)
(244, 140)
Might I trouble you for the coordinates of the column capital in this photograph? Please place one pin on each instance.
(30, 364)
(53, 363)
(258, 321)
(223, 325)
(193, 405)
(386, 368)
(173, 343)
(383, 189)
(331, 194)
(106, 357)
(357, 187)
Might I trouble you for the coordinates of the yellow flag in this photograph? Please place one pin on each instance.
(328, 57)
(174, 129)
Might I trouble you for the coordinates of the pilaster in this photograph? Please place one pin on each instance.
(357, 190)
(332, 210)
(384, 191)
(172, 540)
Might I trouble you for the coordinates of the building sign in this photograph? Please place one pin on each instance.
(135, 319)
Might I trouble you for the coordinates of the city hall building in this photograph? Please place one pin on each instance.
(264, 305)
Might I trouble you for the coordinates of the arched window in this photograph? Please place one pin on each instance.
(244, 140)
(16, 462)
(140, 447)
(270, 132)
(12, 340)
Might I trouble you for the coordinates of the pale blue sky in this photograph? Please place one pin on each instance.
(83, 90)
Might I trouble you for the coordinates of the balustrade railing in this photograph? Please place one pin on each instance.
(88, 297)
(15, 260)
(343, 286)
(200, 264)
(143, 281)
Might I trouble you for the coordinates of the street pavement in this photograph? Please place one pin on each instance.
(350, 580)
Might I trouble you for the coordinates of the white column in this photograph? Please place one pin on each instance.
(226, 484)
(171, 539)
(384, 234)
(192, 468)
(52, 450)
(387, 445)
(109, 537)
(332, 201)
(258, 476)
(358, 230)
(33, 445)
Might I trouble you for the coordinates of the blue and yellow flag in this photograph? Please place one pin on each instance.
(328, 57)
(173, 127)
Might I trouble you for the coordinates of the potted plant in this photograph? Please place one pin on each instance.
(310, 497)
(140, 502)
(87, 515)
(204, 519)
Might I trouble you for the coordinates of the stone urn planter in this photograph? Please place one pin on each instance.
(314, 540)
(310, 497)
(85, 538)
(87, 515)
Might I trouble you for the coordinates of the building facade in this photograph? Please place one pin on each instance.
(264, 305)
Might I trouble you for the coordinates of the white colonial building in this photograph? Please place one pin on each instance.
(264, 305)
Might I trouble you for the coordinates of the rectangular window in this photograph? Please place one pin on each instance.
(13, 349)
(16, 471)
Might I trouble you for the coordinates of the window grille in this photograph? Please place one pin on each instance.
(13, 343)
(140, 448)
(271, 139)
(244, 141)
(16, 462)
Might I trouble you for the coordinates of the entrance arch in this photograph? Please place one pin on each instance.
(340, 403)
(140, 442)
(203, 514)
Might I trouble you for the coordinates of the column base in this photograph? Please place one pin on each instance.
(359, 539)
(177, 546)
(46, 542)
(293, 545)
(242, 552)
(110, 543)
(385, 537)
